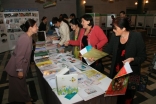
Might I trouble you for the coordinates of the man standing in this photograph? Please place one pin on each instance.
(63, 30)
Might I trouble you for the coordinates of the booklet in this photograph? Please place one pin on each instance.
(41, 53)
(66, 83)
(119, 83)
(90, 52)
(118, 86)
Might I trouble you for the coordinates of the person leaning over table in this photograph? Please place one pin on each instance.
(125, 46)
(18, 65)
(63, 30)
(77, 30)
(91, 35)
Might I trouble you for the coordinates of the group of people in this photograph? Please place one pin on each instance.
(124, 46)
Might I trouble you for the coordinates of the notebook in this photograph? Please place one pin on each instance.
(66, 83)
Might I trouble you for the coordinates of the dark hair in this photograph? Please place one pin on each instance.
(55, 20)
(123, 12)
(112, 16)
(122, 22)
(73, 15)
(88, 17)
(64, 16)
(76, 21)
(27, 24)
(43, 18)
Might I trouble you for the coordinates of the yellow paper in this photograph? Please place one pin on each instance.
(43, 63)
(93, 74)
(94, 53)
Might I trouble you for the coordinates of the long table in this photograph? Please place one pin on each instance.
(50, 97)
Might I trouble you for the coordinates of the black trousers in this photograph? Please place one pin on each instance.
(127, 98)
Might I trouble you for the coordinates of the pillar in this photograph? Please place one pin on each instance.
(140, 6)
(80, 7)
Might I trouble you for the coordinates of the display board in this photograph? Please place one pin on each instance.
(109, 19)
(11, 26)
(149, 21)
(4, 46)
(133, 20)
(140, 21)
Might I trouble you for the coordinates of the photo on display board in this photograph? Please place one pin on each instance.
(4, 38)
(14, 14)
(7, 15)
(1, 15)
(34, 14)
(1, 21)
(11, 20)
(7, 21)
(12, 37)
(21, 14)
(16, 20)
(27, 14)
(10, 30)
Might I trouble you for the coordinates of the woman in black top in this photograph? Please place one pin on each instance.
(125, 46)
(43, 24)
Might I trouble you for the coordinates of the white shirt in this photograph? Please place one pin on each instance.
(64, 33)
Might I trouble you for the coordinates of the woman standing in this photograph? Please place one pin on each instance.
(91, 35)
(75, 37)
(125, 46)
(43, 24)
(18, 65)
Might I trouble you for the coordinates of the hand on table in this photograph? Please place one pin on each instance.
(66, 43)
(58, 45)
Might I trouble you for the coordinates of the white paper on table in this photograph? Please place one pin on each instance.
(105, 83)
(90, 92)
(55, 41)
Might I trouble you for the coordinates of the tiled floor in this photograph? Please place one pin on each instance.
(147, 97)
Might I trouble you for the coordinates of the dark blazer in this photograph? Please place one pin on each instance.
(20, 58)
(135, 48)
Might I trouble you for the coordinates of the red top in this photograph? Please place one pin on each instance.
(96, 38)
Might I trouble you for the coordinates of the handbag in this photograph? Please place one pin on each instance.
(137, 82)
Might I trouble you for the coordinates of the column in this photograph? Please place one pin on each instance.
(80, 7)
(140, 6)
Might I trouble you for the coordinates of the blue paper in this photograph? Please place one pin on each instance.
(89, 47)
(69, 96)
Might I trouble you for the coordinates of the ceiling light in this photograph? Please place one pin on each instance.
(84, 2)
(146, 1)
